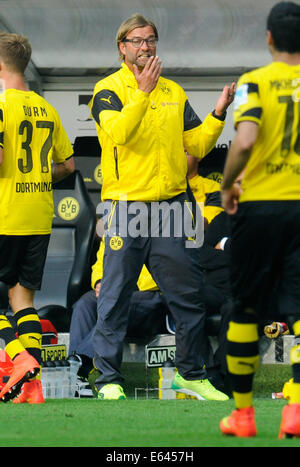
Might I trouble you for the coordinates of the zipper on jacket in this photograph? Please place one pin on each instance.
(116, 162)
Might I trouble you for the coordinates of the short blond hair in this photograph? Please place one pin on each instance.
(135, 21)
(15, 51)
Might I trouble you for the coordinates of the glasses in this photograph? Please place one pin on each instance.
(138, 41)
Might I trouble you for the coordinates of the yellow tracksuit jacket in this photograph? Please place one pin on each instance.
(143, 136)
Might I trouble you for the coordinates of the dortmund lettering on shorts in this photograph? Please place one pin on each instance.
(116, 243)
(68, 208)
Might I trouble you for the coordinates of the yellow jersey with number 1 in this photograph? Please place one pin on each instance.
(270, 97)
(31, 135)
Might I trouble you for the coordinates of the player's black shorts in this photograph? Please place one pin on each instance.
(22, 259)
(265, 248)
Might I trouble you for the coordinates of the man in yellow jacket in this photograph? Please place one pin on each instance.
(144, 122)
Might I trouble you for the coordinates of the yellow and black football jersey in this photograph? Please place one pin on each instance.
(270, 97)
(31, 135)
(207, 193)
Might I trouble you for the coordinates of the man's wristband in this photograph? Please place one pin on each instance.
(219, 117)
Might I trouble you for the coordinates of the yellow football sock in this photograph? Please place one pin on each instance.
(242, 360)
(12, 344)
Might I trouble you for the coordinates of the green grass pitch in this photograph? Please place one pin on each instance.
(142, 422)
(133, 423)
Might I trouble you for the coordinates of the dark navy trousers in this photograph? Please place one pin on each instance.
(177, 272)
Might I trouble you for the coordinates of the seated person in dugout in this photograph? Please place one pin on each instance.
(213, 254)
(207, 192)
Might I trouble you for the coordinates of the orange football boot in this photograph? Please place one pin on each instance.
(32, 393)
(24, 368)
(240, 423)
(290, 422)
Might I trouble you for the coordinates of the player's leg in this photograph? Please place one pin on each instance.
(24, 365)
(30, 336)
(254, 254)
(28, 322)
(242, 362)
(31, 262)
(30, 270)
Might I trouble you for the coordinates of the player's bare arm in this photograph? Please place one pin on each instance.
(238, 156)
(61, 171)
